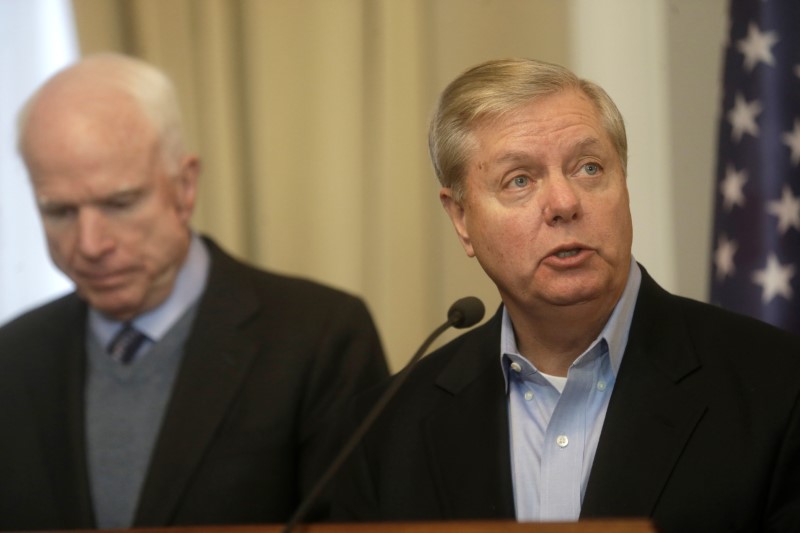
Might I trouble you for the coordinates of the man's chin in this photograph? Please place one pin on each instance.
(573, 296)
(111, 306)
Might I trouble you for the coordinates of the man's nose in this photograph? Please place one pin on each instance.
(561, 200)
(94, 235)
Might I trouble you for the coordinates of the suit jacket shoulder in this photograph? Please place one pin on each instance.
(704, 415)
(43, 326)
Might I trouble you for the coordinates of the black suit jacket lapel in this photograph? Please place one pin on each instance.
(467, 437)
(651, 414)
(56, 389)
(216, 361)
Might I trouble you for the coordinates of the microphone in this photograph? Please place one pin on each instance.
(464, 313)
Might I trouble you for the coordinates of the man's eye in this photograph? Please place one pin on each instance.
(591, 169)
(121, 203)
(57, 211)
(520, 181)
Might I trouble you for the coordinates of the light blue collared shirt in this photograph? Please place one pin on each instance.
(554, 433)
(189, 286)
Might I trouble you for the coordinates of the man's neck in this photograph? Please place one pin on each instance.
(553, 338)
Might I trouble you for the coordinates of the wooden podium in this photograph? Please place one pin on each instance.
(493, 526)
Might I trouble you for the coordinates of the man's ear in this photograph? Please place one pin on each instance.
(458, 216)
(186, 185)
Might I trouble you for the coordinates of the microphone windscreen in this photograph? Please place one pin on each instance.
(466, 312)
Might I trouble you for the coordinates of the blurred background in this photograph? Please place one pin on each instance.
(310, 117)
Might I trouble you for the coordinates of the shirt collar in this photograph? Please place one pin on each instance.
(189, 286)
(614, 333)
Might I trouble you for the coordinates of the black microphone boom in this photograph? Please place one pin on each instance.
(464, 313)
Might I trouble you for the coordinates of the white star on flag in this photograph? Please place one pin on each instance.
(792, 140)
(743, 117)
(774, 279)
(731, 188)
(757, 47)
(787, 209)
(723, 257)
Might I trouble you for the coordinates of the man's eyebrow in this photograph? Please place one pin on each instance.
(44, 202)
(512, 157)
(124, 193)
(587, 143)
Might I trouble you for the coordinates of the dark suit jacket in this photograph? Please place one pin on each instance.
(702, 431)
(242, 438)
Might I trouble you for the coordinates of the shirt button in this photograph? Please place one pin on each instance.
(601, 385)
(528, 395)
(515, 367)
(562, 441)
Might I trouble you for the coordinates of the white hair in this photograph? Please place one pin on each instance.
(149, 88)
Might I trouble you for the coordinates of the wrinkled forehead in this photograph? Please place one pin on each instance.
(79, 118)
(550, 103)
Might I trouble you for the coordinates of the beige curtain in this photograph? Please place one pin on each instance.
(310, 117)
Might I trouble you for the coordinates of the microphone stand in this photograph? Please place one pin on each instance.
(397, 381)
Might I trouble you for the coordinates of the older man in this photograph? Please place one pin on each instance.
(592, 392)
(177, 385)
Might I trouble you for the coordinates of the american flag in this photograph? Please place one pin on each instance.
(756, 249)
